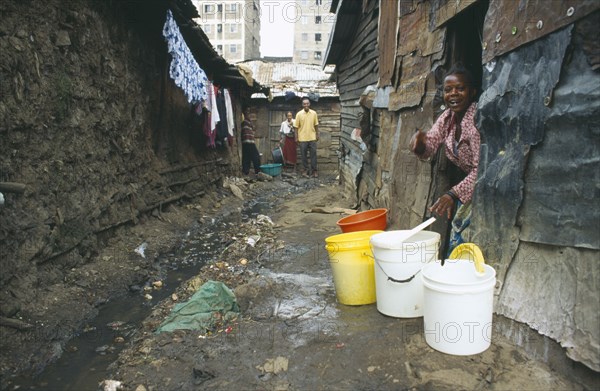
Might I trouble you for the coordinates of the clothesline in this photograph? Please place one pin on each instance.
(198, 89)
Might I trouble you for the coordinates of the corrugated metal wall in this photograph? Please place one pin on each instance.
(538, 115)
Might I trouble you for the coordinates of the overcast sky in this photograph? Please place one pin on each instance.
(277, 28)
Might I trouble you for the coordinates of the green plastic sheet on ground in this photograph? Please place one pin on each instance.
(214, 302)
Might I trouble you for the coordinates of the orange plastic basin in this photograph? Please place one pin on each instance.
(374, 219)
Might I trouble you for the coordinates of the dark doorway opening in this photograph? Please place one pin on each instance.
(464, 45)
(465, 37)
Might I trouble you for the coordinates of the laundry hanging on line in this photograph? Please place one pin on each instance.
(199, 91)
(184, 70)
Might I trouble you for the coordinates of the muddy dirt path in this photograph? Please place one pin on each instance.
(293, 335)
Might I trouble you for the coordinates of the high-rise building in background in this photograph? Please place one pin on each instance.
(311, 31)
(233, 27)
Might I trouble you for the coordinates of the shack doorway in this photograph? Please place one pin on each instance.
(464, 32)
(465, 39)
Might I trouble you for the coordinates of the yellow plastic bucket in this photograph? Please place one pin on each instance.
(352, 266)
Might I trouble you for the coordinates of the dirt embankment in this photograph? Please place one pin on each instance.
(92, 125)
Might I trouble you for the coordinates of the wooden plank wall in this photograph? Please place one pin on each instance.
(268, 118)
(356, 71)
(388, 174)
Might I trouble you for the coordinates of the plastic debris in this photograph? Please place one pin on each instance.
(141, 248)
(111, 385)
(157, 284)
(213, 302)
(252, 240)
(262, 219)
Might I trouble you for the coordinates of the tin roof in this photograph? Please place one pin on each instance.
(301, 79)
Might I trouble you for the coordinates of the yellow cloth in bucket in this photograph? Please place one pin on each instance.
(352, 265)
(471, 252)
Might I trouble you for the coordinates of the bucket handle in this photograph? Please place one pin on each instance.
(409, 279)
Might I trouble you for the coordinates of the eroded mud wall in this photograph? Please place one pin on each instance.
(92, 125)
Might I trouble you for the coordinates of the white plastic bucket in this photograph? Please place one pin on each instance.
(458, 306)
(398, 286)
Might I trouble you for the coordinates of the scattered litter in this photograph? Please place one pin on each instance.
(111, 385)
(103, 349)
(355, 135)
(116, 325)
(213, 302)
(157, 284)
(148, 297)
(252, 240)
(141, 248)
(262, 219)
(236, 191)
(222, 265)
(227, 182)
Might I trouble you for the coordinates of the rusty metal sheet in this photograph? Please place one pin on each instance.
(387, 40)
(408, 94)
(444, 10)
(510, 24)
(406, 7)
(412, 83)
(412, 27)
(414, 66)
(415, 35)
(388, 140)
(433, 42)
(411, 181)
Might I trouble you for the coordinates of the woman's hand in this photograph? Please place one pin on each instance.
(443, 206)
(418, 143)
